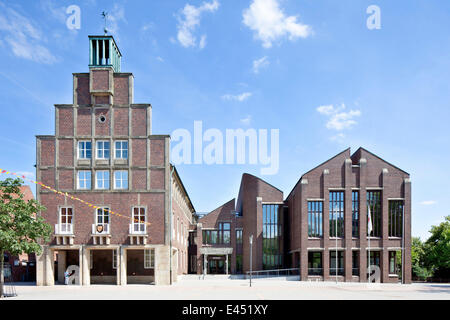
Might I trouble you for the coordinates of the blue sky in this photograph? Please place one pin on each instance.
(310, 68)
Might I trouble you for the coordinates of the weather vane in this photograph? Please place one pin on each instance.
(105, 17)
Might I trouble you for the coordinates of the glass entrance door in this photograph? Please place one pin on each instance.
(216, 265)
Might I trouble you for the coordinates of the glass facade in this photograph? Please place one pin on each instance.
(339, 267)
(374, 203)
(272, 256)
(315, 211)
(315, 263)
(337, 214)
(395, 218)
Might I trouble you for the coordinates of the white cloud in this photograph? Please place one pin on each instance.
(23, 37)
(260, 63)
(27, 174)
(270, 23)
(240, 97)
(116, 15)
(190, 20)
(246, 121)
(428, 202)
(160, 59)
(338, 119)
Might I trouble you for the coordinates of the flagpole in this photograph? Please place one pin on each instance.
(336, 260)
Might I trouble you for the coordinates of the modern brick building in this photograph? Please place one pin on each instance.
(323, 217)
(104, 153)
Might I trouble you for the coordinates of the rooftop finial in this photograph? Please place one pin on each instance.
(105, 17)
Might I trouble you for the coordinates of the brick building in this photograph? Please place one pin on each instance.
(320, 229)
(104, 153)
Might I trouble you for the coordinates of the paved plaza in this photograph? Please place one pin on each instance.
(237, 290)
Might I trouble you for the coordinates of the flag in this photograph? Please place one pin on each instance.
(369, 221)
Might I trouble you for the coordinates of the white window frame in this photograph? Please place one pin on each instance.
(121, 149)
(102, 150)
(97, 180)
(80, 150)
(149, 258)
(85, 179)
(114, 258)
(104, 210)
(133, 218)
(60, 221)
(121, 179)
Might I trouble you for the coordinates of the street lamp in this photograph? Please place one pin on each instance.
(251, 245)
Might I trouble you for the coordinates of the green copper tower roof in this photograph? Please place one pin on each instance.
(104, 52)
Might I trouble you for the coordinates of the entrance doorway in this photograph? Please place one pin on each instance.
(217, 264)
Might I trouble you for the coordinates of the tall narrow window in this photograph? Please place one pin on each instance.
(337, 214)
(102, 220)
(114, 259)
(315, 263)
(355, 263)
(315, 211)
(65, 220)
(103, 149)
(355, 214)
(392, 262)
(224, 232)
(272, 255)
(138, 220)
(395, 218)
(102, 179)
(149, 258)
(374, 203)
(239, 236)
(84, 180)
(84, 150)
(121, 148)
(121, 179)
(337, 267)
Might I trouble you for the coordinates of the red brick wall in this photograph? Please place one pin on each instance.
(47, 152)
(65, 152)
(83, 95)
(65, 121)
(121, 90)
(157, 152)
(157, 179)
(121, 121)
(139, 179)
(139, 121)
(65, 179)
(84, 121)
(139, 147)
(102, 129)
(100, 79)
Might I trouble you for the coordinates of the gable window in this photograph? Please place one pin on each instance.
(395, 218)
(271, 237)
(84, 180)
(121, 148)
(315, 211)
(84, 149)
(102, 179)
(337, 214)
(224, 232)
(103, 149)
(121, 179)
(374, 203)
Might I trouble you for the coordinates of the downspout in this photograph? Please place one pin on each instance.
(170, 225)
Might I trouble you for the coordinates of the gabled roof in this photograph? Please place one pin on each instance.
(371, 153)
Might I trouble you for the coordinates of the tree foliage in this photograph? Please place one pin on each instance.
(20, 226)
(437, 249)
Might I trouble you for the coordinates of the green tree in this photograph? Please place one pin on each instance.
(437, 249)
(20, 226)
(418, 254)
